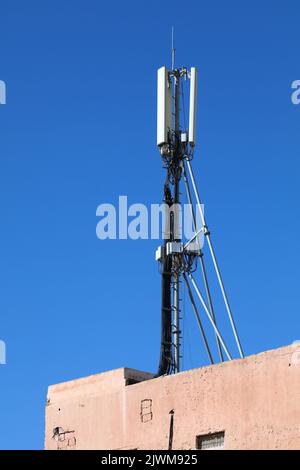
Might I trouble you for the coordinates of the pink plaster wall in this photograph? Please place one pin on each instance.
(255, 400)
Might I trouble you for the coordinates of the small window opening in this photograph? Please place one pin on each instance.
(210, 441)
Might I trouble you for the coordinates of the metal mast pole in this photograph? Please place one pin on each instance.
(177, 259)
(176, 236)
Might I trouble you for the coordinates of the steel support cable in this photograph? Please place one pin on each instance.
(207, 234)
(207, 289)
(198, 319)
(209, 316)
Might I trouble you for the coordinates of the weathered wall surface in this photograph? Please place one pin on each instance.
(255, 400)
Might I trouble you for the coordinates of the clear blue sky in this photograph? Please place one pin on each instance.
(79, 129)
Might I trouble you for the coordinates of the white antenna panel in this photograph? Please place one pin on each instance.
(164, 106)
(193, 100)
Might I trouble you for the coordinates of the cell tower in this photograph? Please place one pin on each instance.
(177, 259)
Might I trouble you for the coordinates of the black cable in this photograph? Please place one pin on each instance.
(166, 357)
